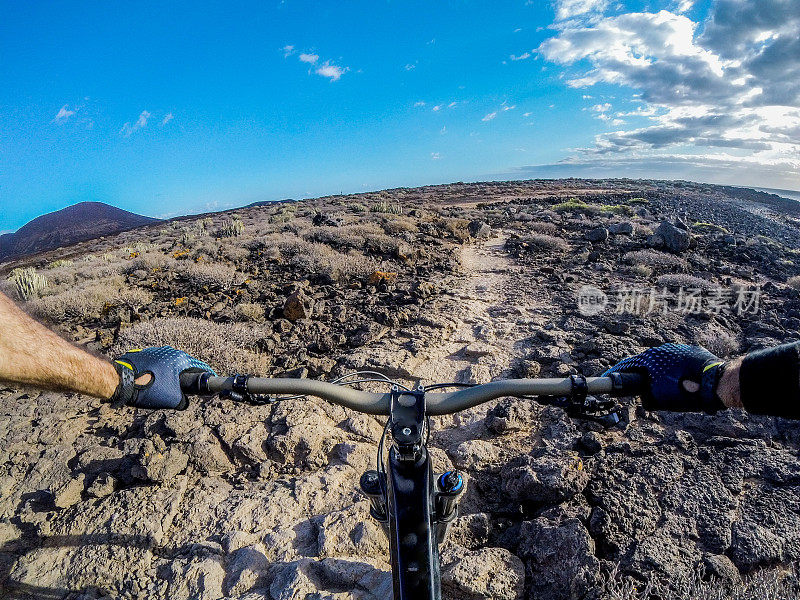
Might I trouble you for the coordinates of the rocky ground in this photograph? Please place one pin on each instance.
(471, 282)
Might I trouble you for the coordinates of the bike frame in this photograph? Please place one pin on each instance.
(410, 501)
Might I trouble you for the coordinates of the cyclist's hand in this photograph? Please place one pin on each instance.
(164, 365)
(680, 377)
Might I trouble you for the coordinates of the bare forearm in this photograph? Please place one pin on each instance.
(728, 389)
(32, 354)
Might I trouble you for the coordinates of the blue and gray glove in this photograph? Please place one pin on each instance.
(165, 365)
(668, 368)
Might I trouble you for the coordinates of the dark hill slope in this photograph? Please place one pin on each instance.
(76, 223)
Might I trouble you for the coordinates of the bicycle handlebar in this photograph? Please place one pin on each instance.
(437, 403)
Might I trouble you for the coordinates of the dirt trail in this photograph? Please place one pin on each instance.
(487, 322)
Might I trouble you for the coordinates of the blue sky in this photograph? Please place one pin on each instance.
(172, 108)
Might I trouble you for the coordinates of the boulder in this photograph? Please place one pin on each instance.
(298, 306)
(624, 228)
(674, 239)
(485, 573)
(598, 234)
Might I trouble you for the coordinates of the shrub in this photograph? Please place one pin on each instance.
(656, 259)
(84, 302)
(794, 282)
(399, 225)
(152, 262)
(27, 282)
(231, 228)
(313, 258)
(348, 236)
(250, 311)
(548, 242)
(212, 275)
(709, 227)
(719, 343)
(61, 262)
(228, 347)
(384, 206)
(575, 205)
(543, 227)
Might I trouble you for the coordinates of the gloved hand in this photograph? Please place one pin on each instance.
(668, 368)
(165, 365)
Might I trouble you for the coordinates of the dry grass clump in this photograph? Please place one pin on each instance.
(719, 343)
(250, 311)
(547, 242)
(655, 259)
(315, 259)
(151, 262)
(682, 280)
(794, 282)
(235, 253)
(543, 227)
(212, 275)
(399, 225)
(228, 347)
(87, 301)
(348, 236)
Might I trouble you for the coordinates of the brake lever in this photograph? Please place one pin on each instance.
(579, 405)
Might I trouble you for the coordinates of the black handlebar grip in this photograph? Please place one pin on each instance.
(195, 383)
(628, 384)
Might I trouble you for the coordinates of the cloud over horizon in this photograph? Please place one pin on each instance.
(710, 90)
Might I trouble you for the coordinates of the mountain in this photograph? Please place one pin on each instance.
(76, 223)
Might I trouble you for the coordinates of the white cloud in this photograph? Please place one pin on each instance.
(331, 71)
(410, 67)
(489, 116)
(128, 129)
(512, 107)
(167, 118)
(522, 56)
(63, 114)
(435, 156)
(327, 69)
(452, 104)
(419, 103)
(567, 9)
(437, 108)
(527, 114)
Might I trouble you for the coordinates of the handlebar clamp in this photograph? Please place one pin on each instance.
(240, 393)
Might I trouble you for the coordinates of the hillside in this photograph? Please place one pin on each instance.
(70, 225)
(467, 282)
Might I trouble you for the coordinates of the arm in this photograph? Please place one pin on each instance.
(32, 354)
(689, 378)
